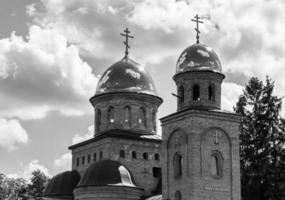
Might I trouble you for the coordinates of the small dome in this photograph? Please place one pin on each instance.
(126, 76)
(198, 57)
(62, 185)
(107, 173)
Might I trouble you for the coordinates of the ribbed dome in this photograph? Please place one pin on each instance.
(198, 57)
(126, 76)
(107, 173)
(62, 185)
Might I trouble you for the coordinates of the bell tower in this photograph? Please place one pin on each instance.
(200, 141)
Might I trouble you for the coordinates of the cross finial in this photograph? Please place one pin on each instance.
(126, 42)
(197, 20)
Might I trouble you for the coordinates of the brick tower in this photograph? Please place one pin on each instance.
(200, 141)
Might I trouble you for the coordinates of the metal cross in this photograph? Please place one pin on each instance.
(196, 19)
(126, 42)
(216, 137)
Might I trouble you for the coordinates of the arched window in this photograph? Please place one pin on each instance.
(134, 155)
(143, 116)
(196, 92)
(181, 94)
(101, 155)
(77, 162)
(211, 93)
(127, 115)
(110, 114)
(177, 165)
(94, 157)
(216, 165)
(156, 157)
(177, 195)
(154, 119)
(88, 158)
(145, 156)
(98, 119)
(122, 154)
(83, 160)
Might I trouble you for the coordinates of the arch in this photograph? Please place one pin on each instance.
(134, 155)
(83, 160)
(177, 165)
(156, 157)
(122, 154)
(127, 115)
(216, 164)
(94, 156)
(196, 92)
(177, 195)
(181, 94)
(145, 156)
(98, 119)
(110, 114)
(143, 116)
(181, 135)
(101, 155)
(77, 162)
(211, 93)
(88, 158)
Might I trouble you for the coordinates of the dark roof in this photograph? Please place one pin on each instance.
(126, 76)
(62, 185)
(107, 173)
(198, 57)
(121, 134)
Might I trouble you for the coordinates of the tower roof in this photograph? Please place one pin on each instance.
(126, 76)
(107, 173)
(198, 57)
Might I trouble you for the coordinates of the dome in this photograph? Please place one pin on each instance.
(126, 76)
(107, 173)
(198, 57)
(62, 185)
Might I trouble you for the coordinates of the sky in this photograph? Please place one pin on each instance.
(52, 53)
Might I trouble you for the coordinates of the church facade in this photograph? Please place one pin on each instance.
(197, 156)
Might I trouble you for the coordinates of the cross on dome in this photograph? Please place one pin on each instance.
(126, 42)
(197, 21)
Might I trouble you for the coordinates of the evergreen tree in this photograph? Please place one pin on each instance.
(38, 182)
(262, 142)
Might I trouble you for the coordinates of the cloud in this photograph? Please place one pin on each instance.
(230, 94)
(45, 74)
(12, 134)
(63, 163)
(80, 138)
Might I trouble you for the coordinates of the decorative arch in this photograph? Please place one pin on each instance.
(110, 114)
(196, 92)
(216, 164)
(127, 115)
(98, 119)
(143, 116)
(181, 94)
(211, 92)
(177, 165)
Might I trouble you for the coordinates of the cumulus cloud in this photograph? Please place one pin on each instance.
(12, 134)
(230, 94)
(45, 73)
(80, 138)
(63, 163)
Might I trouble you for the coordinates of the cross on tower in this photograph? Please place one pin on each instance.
(196, 19)
(126, 42)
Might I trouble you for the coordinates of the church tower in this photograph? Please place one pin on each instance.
(200, 141)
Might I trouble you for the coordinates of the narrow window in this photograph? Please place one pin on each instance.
(177, 165)
(211, 93)
(94, 157)
(127, 115)
(110, 114)
(216, 162)
(88, 158)
(101, 155)
(77, 161)
(196, 93)
(156, 157)
(98, 119)
(154, 119)
(145, 156)
(134, 155)
(122, 153)
(143, 116)
(156, 172)
(177, 195)
(83, 160)
(181, 94)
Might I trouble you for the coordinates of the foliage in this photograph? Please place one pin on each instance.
(38, 183)
(262, 142)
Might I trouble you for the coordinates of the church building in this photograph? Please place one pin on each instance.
(195, 158)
